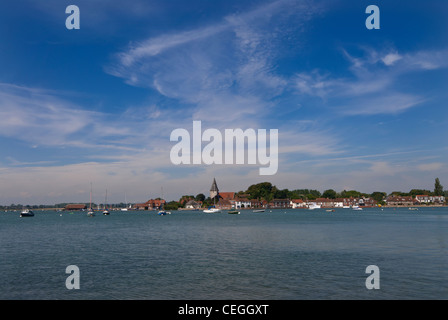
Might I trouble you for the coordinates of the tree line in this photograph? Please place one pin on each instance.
(267, 191)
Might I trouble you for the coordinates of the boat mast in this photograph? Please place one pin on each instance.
(90, 196)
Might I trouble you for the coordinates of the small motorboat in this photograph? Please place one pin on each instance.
(27, 213)
(233, 212)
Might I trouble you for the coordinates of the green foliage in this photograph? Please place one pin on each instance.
(352, 193)
(200, 197)
(416, 192)
(378, 196)
(330, 194)
(263, 190)
(438, 188)
(172, 205)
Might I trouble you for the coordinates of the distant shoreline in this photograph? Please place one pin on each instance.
(304, 208)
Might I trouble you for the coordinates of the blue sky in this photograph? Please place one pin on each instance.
(355, 108)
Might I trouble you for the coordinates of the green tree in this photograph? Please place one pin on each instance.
(416, 192)
(172, 205)
(351, 193)
(330, 194)
(281, 194)
(200, 197)
(261, 190)
(438, 188)
(378, 196)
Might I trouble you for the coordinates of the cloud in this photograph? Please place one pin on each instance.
(372, 89)
(435, 166)
(36, 116)
(229, 65)
(43, 118)
(391, 58)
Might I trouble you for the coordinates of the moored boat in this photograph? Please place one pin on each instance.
(106, 212)
(313, 206)
(90, 213)
(27, 213)
(233, 212)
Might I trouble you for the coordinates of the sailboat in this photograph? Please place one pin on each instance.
(212, 209)
(214, 192)
(162, 212)
(90, 213)
(126, 201)
(105, 211)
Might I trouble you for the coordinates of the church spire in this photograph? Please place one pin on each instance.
(214, 189)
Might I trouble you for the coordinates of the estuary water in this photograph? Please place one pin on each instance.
(275, 255)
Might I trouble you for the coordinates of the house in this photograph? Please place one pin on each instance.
(255, 203)
(367, 202)
(350, 202)
(279, 203)
(297, 203)
(242, 203)
(193, 205)
(150, 204)
(422, 198)
(400, 201)
(338, 203)
(73, 207)
(437, 199)
(429, 199)
(224, 204)
(324, 202)
(227, 195)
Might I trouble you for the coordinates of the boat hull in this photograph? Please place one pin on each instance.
(212, 211)
(27, 214)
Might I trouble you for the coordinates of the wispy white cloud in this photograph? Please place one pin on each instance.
(42, 118)
(224, 67)
(373, 88)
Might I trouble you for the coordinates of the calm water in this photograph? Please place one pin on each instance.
(283, 254)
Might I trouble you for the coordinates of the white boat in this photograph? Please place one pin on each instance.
(90, 213)
(212, 210)
(313, 206)
(258, 210)
(27, 213)
(356, 208)
(105, 211)
(126, 201)
(162, 211)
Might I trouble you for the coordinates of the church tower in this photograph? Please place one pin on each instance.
(214, 189)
